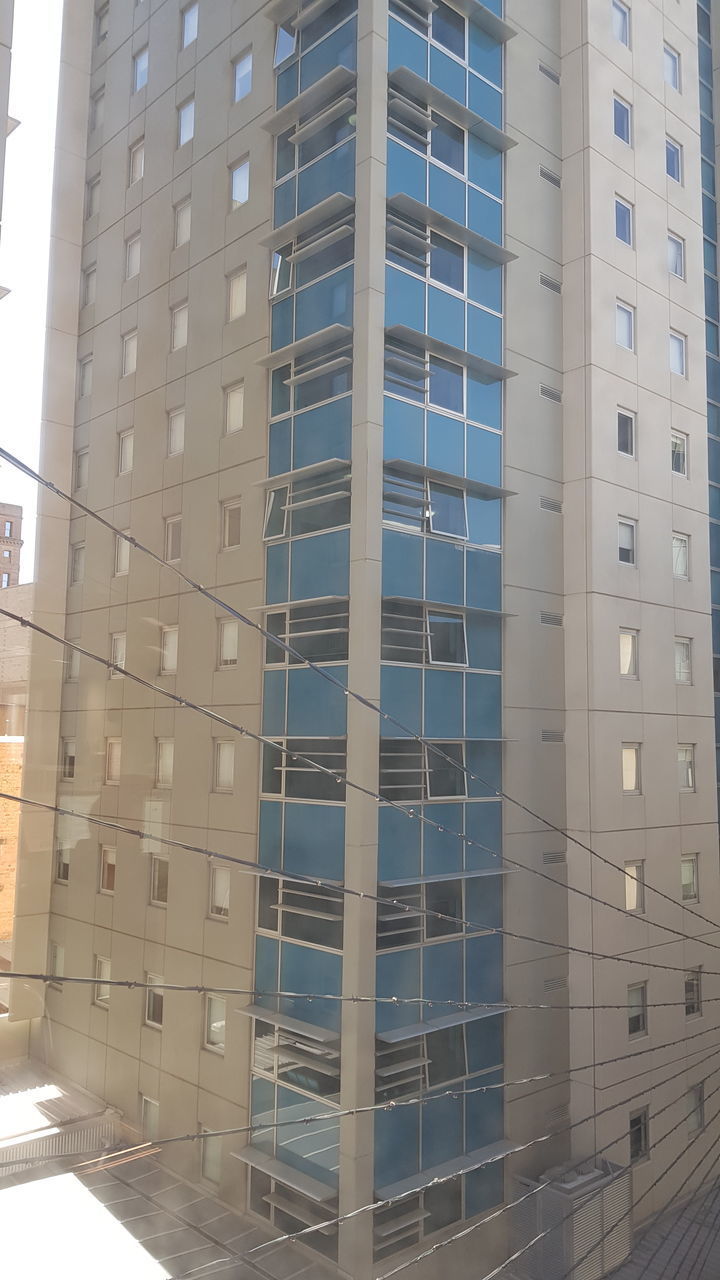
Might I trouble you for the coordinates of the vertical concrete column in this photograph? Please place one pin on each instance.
(358, 1027)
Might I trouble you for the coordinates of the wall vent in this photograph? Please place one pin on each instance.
(548, 283)
(551, 619)
(550, 393)
(549, 176)
(552, 735)
(558, 1117)
(548, 71)
(555, 984)
(551, 504)
(551, 858)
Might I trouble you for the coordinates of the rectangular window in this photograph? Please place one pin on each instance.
(149, 1118)
(129, 353)
(159, 877)
(285, 44)
(621, 22)
(681, 555)
(224, 768)
(92, 197)
(102, 980)
(626, 433)
(89, 284)
(240, 184)
(179, 327)
(627, 538)
(211, 1157)
(72, 665)
(235, 407)
(126, 446)
(639, 1135)
(108, 861)
(5, 580)
(686, 767)
(671, 67)
(122, 555)
(622, 119)
(85, 376)
(696, 1108)
(678, 354)
(169, 650)
(635, 886)
(628, 653)
(154, 1001)
(140, 69)
(118, 652)
(231, 517)
(62, 863)
(689, 881)
(676, 256)
(56, 962)
(242, 76)
(215, 1007)
(679, 452)
(97, 110)
(220, 891)
(637, 1009)
(446, 638)
(625, 326)
(631, 768)
(623, 221)
(173, 538)
(136, 161)
(683, 660)
(673, 160)
(69, 756)
(102, 24)
(448, 29)
(113, 760)
(132, 257)
(693, 993)
(164, 760)
(186, 122)
(176, 431)
(447, 143)
(228, 634)
(183, 223)
(77, 562)
(237, 294)
(189, 25)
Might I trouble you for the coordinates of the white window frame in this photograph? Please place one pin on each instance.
(101, 990)
(62, 863)
(625, 204)
(140, 68)
(627, 106)
(122, 556)
(237, 294)
(639, 1009)
(223, 765)
(185, 122)
(681, 555)
(672, 63)
(226, 627)
(108, 858)
(149, 1118)
(156, 898)
(136, 162)
(677, 147)
(214, 1045)
(635, 887)
(56, 963)
(240, 183)
(229, 511)
(681, 438)
(235, 407)
(164, 762)
(625, 313)
(126, 450)
(683, 660)
(179, 326)
(169, 637)
(183, 222)
(211, 1156)
(132, 256)
(77, 563)
(189, 23)
(631, 751)
(687, 780)
(621, 22)
(695, 976)
(626, 522)
(633, 667)
(68, 758)
(691, 860)
(219, 903)
(171, 524)
(175, 431)
(676, 255)
(696, 1108)
(118, 652)
(152, 996)
(678, 345)
(239, 73)
(129, 353)
(89, 285)
(113, 761)
(97, 110)
(92, 196)
(85, 377)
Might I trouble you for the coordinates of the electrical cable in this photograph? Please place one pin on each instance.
(499, 793)
(706, 1249)
(690, 1238)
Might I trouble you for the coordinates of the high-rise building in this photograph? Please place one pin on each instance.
(386, 321)
(10, 544)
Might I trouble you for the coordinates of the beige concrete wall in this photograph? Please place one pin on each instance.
(6, 28)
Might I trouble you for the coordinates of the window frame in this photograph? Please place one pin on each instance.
(106, 862)
(242, 164)
(234, 396)
(626, 311)
(632, 419)
(182, 209)
(171, 523)
(672, 147)
(216, 909)
(102, 980)
(174, 416)
(224, 623)
(671, 57)
(85, 377)
(625, 204)
(77, 563)
(214, 1046)
(637, 1011)
(678, 243)
(627, 522)
(191, 11)
(636, 748)
(223, 788)
(688, 765)
(118, 652)
(157, 888)
(149, 1107)
(633, 672)
(678, 343)
(61, 863)
(185, 119)
(621, 12)
(687, 664)
(642, 1114)
(626, 107)
(154, 1002)
(133, 246)
(683, 438)
(122, 557)
(129, 354)
(696, 1108)
(136, 161)
(680, 540)
(140, 68)
(174, 630)
(126, 446)
(237, 284)
(246, 55)
(92, 196)
(693, 992)
(692, 860)
(164, 763)
(113, 755)
(228, 510)
(179, 326)
(635, 875)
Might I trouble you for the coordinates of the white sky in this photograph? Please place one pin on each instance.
(24, 248)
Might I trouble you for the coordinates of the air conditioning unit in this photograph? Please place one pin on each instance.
(585, 1210)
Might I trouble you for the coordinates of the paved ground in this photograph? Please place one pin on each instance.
(684, 1245)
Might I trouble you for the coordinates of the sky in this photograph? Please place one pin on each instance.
(24, 247)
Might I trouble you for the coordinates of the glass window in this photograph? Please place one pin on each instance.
(85, 376)
(72, 665)
(92, 197)
(447, 510)
(132, 257)
(446, 638)
(108, 860)
(224, 768)
(179, 327)
(631, 768)
(683, 660)
(448, 29)
(673, 160)
(243, 76)
(150, 1118)
(237, 294)
(62, 863)
(639, 1135)
(693, 993)
(56, 962)
(102, 24)
(164, 760)
(215, 1007)
(231, 518)
(628, 653)
(686, 767)
(69, 756)
(235, 407)
(621, 119)
(159, 878)
(118, 652)
(626, 433)
(447, 262)
(89, 286)
(285, 42)
(102, 980)
(623, 220)
(621, 22)
(696, 1108)
(228, 635)
(129, 353)
(625, 326)
(97, 110)
(211, 1157)
(189, 29)
(240, 184)
(183, 221)
(122, 555)
(176, 431)
(679, 452)
(671, 67)
(681, 555)
(136, 161)
(447, 143)
(113, 760)
(637, 1009)
(676, 256)
(173, 538)
(677, 353)
(281, 270)
(77, 562)
(140, 69)
(126, 444)
(635, 886)
(446, 385)
(186, 122)
(220, 891)
(626, 541)
(689, 878)
(154, 1001)
(169, 649)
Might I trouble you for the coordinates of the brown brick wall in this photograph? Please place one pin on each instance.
(11, 758)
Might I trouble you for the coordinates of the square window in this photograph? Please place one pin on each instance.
(231, 515)
(189, 25)
(173, 538)
(681, 555)
(126, 448)
(89, 284)
(179, 327)
(186, 122)
(154, 1000)
(150, 1118)
(122, 556)
(621, 22)
(631, 768)
(129, 353)
(625, 326)
(635, 886)
(164, 762)
(693, 993)
(69, 755)
(678, 359)
(183, 222)
(639, 1135)
(689, 883)
(683, 660)
(113, 760)
(673, 160)
(92, 197)
(676, 256)
(228, 635)
(82, 466)
(118, 650)
(77, 562)
(628, 653)
(671, 67)
(140, 69)
(627, 531)
(102, 980)
(240, 184)
(622, 119)
(108, 862)
(235, 407)
(696, 1108)
(159, 877)
(224, 768)
(132, 257)
(220, 891)
(242, 76)
(62, 864)
(215, 1009)
(176, 431)
(136, 162)
(686, 767)
(85, 377)
(169, 649)
(626, 433)
(637, 1009)
(623, 220)
(679, 452)
(237, 294)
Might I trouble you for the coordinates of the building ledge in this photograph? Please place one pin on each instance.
(478, 488)
(453, 230)
(461, 1164)
(285, 355)
(486, 369)
(448, 875)
(396, 1035)
(335, 83)
(322, 1034)
(301, 1182)
(421, 90)
(332, 206)
(485, 18)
